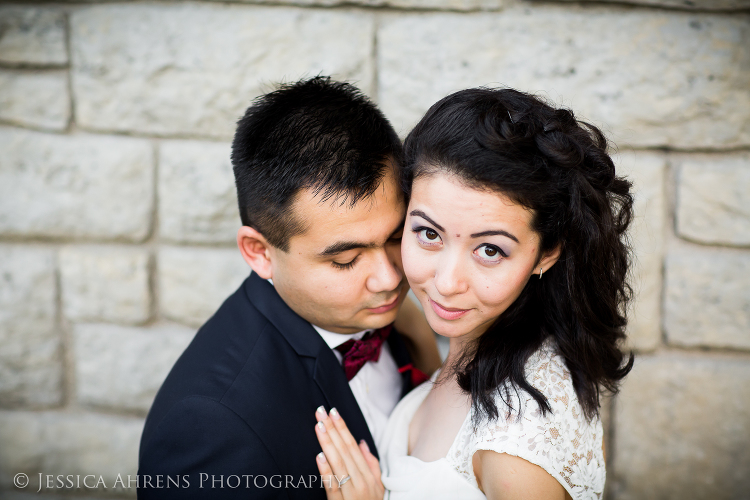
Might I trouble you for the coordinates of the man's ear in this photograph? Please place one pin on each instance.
(256, 251)
(548, 260)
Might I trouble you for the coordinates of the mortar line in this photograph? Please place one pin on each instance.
(155, 243)
(375, 84)
(69, 79)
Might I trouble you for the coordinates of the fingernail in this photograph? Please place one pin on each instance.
(334, 414)
(321, 426)
(365, 443)
(322, 410)
(321, 457)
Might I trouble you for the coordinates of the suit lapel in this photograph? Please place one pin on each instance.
(330, 377)
(306, 342)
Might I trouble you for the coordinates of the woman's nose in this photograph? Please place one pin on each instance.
(450, 276)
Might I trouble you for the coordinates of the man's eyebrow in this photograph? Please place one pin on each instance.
(419, 213)
(344, 246)
(495, 233)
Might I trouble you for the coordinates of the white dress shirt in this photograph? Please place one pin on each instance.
(376, 386)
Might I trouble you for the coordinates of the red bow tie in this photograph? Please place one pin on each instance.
(358, 352)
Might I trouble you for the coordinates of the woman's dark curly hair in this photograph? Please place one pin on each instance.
(547, 161)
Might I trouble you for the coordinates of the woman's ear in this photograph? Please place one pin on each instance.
(256, 251)
(548, 260)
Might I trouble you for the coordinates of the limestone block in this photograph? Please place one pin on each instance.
(35, 99)
(707, 298)
(713, 199)
(62, 443)
(718, 5)
(650, 78)
(123, 367)
(197, 197)
(682, 424)
(192, 68)
(194, 282)
(30, 357)
(77, 186)
(101, 283)
(32, 36)
(647, 172)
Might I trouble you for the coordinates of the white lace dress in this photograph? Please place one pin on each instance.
(563, 443)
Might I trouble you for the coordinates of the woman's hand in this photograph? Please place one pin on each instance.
(348, 470)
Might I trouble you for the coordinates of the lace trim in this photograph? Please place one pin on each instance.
(563, 443)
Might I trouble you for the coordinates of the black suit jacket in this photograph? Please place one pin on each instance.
(235, 416)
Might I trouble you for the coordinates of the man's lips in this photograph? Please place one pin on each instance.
(385, 307)
(447, 312)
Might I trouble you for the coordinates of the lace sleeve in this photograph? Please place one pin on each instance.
(563, 443)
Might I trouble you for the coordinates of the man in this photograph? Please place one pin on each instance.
(315, 166)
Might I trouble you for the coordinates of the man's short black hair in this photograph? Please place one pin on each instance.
(313, 134)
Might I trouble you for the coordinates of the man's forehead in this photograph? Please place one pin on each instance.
(369, 222)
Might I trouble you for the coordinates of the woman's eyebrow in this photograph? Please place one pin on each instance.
(499, 232)
(419, 213)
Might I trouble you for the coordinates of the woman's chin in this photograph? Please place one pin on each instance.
(454, 330)
(448, 331)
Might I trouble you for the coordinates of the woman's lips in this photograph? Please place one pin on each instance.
(446, 312)
(386, 307)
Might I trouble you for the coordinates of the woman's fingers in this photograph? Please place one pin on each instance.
(372, 462)
(336, 451)
(330, 483)
(354, 449)
(332, 453)
(348, 458)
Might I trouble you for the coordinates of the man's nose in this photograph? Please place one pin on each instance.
(387, 273)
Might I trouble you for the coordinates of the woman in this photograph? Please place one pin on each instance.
(514, 244)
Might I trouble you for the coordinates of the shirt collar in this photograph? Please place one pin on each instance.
(336, 339)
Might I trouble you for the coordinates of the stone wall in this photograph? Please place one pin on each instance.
(117, 207)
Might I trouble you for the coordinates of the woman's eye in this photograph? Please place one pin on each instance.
(490, 253)
(427, 236)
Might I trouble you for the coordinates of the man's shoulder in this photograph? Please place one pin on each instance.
(214, 360)
(221, 346)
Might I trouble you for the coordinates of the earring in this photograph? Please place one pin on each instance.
(541, 271)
